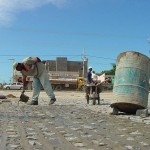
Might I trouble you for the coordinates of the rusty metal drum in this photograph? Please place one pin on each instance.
(131, 84)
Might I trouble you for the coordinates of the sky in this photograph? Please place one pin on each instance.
(96, 29)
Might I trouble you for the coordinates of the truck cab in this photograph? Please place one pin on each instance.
(81, 82)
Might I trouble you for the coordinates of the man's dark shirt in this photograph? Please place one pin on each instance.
(89, 77)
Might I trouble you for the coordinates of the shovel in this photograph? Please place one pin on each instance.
(24, 98)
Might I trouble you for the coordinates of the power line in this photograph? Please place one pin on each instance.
(101, 57)
(36, 55)
(15, 55)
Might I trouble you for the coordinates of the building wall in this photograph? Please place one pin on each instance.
(75, 66)
(51, 65)
(62, 64)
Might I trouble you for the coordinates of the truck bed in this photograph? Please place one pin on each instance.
(63, 81)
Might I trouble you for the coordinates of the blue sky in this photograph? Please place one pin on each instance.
(63, 28)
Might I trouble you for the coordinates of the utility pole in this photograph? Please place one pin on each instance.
(85, 62)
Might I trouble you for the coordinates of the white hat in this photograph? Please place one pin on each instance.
(90, 67)
(15, 65)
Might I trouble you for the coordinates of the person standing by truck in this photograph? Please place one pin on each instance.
(92, 82)
(89, 81)
(32, 66)
(89, 75)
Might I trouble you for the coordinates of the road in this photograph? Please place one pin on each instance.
(69, 124)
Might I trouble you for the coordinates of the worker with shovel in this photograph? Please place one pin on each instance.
(32, 66)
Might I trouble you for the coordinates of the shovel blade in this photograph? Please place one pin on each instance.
(24, 98)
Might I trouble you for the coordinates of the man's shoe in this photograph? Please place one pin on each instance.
(33, 103)
(52, 101)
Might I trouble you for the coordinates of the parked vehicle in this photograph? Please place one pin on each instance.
(13, 86)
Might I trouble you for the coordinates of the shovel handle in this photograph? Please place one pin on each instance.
(23, 92)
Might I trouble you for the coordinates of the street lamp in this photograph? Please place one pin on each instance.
(13, 60)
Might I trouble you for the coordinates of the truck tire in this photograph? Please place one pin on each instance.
(82, 88)
(58, 88)
(53, 87)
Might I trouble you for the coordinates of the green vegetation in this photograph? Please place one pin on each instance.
(110, 72)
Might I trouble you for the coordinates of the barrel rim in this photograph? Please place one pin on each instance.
(130, 51)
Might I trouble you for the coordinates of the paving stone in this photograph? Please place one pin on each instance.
(130, 139)
(102, 144)
(32, 137)
(48, 133)
(71, 124)
(32, 142)
(80, 144)
(142, 112)
(72, 139)
(62, 132)
(13, 146)
(68, 135)
(86, 135)
(13, 136)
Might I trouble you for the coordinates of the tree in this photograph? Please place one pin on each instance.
(110, 72)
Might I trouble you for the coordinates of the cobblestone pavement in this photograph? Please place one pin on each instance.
(69, 124)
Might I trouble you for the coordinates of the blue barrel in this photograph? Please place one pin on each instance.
(131, 84)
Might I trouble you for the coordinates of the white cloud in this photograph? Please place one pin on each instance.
(9, 8)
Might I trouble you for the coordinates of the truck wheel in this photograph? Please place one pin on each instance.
(58, 88)
(53, 87)
(82, 88)
(21, 88)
